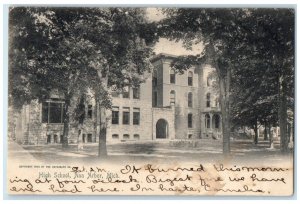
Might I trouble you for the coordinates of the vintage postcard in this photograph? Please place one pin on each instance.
(151, 101)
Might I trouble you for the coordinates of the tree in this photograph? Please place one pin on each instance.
(75, 49)
(239, 43)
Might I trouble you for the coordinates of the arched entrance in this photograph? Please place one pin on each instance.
(162, 129)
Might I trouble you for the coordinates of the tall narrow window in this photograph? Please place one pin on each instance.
(89, 138)
(190, 100)
(136, 116)
(90, 111)
(216, 121)
(207, 121)
(190, 78)
(45, 112)
(55, 113)
(154, 99)
(154, 78)
(208, 100)
(126, 116)
(172, 76)
(136, 92)
(126, 92)
(115, 115)
(190, 120)
(172, 97)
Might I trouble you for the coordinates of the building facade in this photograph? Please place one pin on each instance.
(167, 106)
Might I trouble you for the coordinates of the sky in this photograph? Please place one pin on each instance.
(166, 46)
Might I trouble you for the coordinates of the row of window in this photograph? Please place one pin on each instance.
(125, 116)
(53, 112)
(126, 92)
(190, 99)
(173, 78)
(54, 139)
(126, 136)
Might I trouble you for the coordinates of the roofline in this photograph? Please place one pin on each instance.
(162, 55)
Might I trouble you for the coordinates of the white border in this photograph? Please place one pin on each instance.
(148, 3)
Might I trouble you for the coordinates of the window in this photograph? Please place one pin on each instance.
(208, 100)
(172, 97)
(83, 138)
(154, 99)
(207, 121)
(115, 136)
(136, 116)
(55, 139)
(55, 113)
(126, 137)
(136, 92)
(48, 139)
(190, 78)
(190, 136)
(172, 76)
(52, 112)
(90, 111)
(190, 120)
(115, 115)
(216, 121)
(126, 116)
(89, 138)
(190, 100)
(154, 78)
(126, 92)
(136, 136)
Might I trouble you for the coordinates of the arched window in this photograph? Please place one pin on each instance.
(190, 99)
(172, 97)
(216, 121)
(207, 121)
(190, 120)
(208, 100)
(126, 137)
(136, 136)
(172, 76)
(190, 78)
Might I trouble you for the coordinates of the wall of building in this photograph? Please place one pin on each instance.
(206, 72)
(181, 89)
(144, 129)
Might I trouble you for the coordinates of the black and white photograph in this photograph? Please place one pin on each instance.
(126, 100)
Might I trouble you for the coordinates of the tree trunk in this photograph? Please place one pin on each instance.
(283, 116)
(256, 133)
(79, 140)
(271, 137)
(102, 150)
(265, 132)
(224, 96)
(66, 117)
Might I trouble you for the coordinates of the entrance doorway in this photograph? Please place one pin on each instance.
(162, 129)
